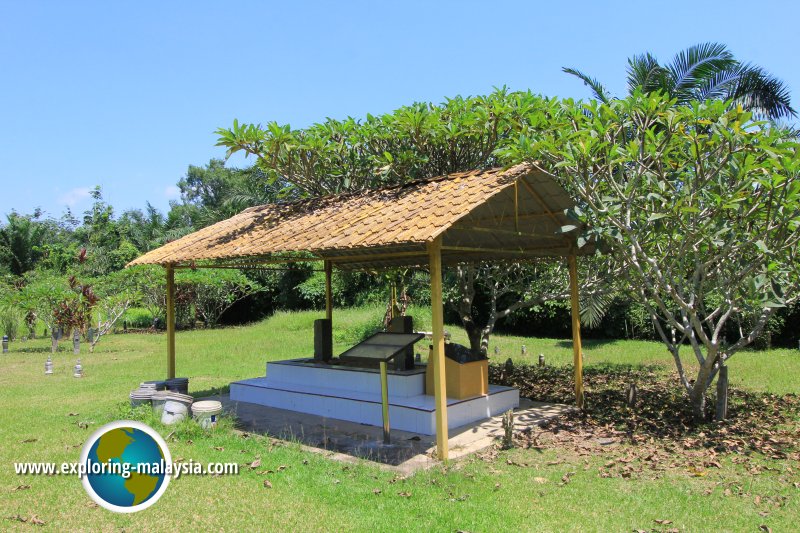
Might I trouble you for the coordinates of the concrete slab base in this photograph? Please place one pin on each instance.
(351, 441)
(354, 394)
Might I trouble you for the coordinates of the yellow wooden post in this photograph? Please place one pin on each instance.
(576, 330)
(170, 321)
(328, 290)
(437, 360)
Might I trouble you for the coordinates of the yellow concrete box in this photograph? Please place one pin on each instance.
(463, 380)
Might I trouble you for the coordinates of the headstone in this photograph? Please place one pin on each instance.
(53, 340)
(5, 343)
(323, 340)
(541, 359)
(76, 341)
(403, 324)
(90, 335)
(48, 366)
(78, 370)
(524, 350)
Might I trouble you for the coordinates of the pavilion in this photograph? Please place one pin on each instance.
(512, 214)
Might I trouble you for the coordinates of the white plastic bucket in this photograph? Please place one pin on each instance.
(140, 396)
(206, 413)
(159, 399)
(176, 408)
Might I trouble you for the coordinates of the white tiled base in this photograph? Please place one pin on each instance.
(354, 395)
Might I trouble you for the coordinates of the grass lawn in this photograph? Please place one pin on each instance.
(519, 489)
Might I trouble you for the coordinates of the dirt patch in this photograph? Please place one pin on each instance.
(657, 433)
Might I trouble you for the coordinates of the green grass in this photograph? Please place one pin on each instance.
(315, 493)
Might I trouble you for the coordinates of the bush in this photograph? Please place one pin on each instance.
(10, 320)
(138, 317)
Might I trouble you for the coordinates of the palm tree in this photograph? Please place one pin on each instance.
(701, 72)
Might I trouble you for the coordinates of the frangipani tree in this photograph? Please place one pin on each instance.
(700, 207)
(417, 141)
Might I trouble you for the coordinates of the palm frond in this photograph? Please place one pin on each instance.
(766, 96)
(691, 68)
(644, 72)
(594, 307)
(597, 88)
(720, 86)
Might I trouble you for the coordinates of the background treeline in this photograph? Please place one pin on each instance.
(68, 272)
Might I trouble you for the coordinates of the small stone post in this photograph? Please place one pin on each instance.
(76, 341)
(508, 429)
(541, 359)
(630, 395)
(5, 343)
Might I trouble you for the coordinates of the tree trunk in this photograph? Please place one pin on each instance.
(475, 336)
(698, 402)
(697, 395)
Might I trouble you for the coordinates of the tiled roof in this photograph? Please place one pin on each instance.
(389, 220)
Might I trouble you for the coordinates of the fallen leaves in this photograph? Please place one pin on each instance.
(659, 434)
(35, 520)
(20, 488)
(267, 484)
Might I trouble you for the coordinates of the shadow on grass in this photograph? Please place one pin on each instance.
(213, 391)
(590, 343)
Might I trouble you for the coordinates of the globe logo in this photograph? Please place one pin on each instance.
(125, 465)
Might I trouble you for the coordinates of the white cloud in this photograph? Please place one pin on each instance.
(172, 192)
(74, 196)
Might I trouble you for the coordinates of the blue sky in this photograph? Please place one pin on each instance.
(127, 95)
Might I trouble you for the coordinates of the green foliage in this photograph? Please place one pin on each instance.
(417, 141)
(697, 207)
(10, 320)
(21, 242)
(138, 317)
(212, 292)
(701, 72)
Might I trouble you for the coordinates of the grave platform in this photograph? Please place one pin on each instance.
(354, 394)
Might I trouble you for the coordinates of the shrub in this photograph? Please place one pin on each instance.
(138, 317)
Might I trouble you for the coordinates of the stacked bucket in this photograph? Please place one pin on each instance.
(175, 407)
(180, 385)
(144, 393)
(172, 403)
